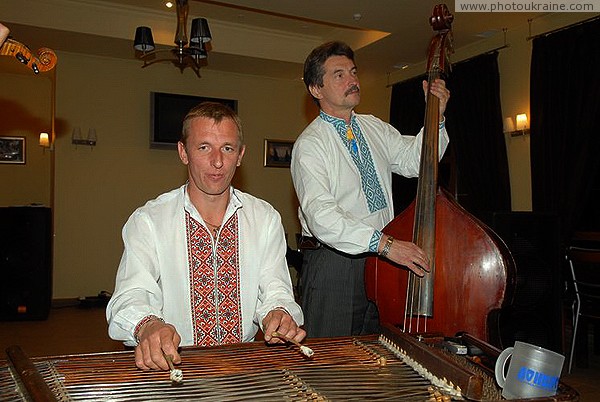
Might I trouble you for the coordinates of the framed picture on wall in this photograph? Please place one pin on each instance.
(12, 150)
(278, 153)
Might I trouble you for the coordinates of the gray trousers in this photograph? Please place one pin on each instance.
(333, 295)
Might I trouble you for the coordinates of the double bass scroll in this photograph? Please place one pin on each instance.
(472, 273)
(44, 61)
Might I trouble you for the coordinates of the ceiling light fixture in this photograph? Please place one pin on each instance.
(185, 55)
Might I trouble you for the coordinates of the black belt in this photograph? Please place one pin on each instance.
(309, 243)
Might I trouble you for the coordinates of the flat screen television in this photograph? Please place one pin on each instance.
(166, 116)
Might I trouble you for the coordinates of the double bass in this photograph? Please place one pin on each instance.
(472, 273)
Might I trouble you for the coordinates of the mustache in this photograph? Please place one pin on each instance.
(353, 88)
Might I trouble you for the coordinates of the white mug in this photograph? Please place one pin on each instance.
(533, 371)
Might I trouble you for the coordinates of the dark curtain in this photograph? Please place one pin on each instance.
(407, 111)
(565, 125)
(477, 157)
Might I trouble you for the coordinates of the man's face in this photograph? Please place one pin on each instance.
(340, 92)
(212, 154)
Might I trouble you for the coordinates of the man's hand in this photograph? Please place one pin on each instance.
(4, 31)
(438, 88)
(282, 322)
(155, 338)
(408, 254)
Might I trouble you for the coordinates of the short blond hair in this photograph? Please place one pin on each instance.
(212, 110)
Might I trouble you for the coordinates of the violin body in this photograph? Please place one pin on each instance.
(474, 275)
(44, 61)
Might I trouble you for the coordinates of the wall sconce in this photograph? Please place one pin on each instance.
(44, 140)
(522, 126)
(77, 139)
(521, 121)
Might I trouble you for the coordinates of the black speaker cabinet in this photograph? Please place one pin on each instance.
(535, 315)
(25, 263)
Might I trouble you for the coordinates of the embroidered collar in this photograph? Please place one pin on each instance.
(336, 121)
(234, 204)
(349, 134)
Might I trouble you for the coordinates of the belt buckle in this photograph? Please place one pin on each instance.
(309, 243)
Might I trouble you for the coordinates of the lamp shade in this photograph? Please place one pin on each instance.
(200, 31)
(143, 39)
(198, 51)
(509, 125)
(521, 121)
(44, 140)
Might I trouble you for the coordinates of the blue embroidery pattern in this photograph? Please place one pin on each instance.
(363, 161)
(374, 243)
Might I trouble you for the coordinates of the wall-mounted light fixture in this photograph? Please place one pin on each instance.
(44, 140)
(90, 140)
(522, 127)
(184, 55)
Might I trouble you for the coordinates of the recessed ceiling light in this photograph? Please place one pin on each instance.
(168, 4)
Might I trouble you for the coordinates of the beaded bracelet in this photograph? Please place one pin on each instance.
(386, 248)
(143, 322)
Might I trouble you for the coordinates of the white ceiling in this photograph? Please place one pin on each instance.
(265, 37)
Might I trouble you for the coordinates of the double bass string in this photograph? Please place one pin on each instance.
(414, 290)
(420, 289)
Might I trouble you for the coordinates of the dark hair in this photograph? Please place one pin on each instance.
(212, 110)
(313, 65)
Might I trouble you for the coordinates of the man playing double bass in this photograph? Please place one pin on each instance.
(342, 167)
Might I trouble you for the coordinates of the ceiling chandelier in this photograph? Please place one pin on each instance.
(184, 55)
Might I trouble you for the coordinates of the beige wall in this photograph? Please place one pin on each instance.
(96, 189)
(25, 115)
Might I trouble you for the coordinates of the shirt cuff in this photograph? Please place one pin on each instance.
(285, 310)
(143, 322)
(374, 243)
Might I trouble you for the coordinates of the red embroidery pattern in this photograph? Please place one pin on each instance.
(215, 282)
